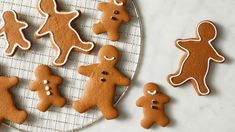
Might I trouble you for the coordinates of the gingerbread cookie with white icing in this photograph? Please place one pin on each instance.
(153, 103)
(12, 30)
(114, 14)
(101, 88)
(195, 63)
(46, 84)
(64, 37)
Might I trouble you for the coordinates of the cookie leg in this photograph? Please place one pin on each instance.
(163, 121)
(200, 86)
(107, 109)
(62, 56)
(84, 47)
(59, 102)
(146, 123)
(10, 49)
(82, 105)
(98, 28)
(24, 44)
(177, 79)
(43, 105)
(16, 116)
(113, 35)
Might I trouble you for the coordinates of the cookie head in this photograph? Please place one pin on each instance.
(119, 2)
(9, 15)
(109, 55)
(47, 6)
(207, 30)
(42, 70)
(151, 89)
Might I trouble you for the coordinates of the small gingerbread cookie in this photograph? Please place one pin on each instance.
(12, 30)
(194, 66)
(64, 37)
(153, 103)
(8, 108)
(114, 14)
(46, 84)
(100, 89)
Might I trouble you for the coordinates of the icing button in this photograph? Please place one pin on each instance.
(154, 107)
(104, 72)
(113, 18)
(103, 79)
(48, 93)
(154, 102)
(116, 12)
(47, 88)
(45, 81)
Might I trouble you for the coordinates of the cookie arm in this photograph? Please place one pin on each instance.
(140, 101)
(216, 56)
(86, 70)
(121, 79)
(33, 86)
(126, 17)
(2, 30)
(102, 6)
(164, 99)
(183, 44)
(9, 82)
(43, 30)
(57, 79)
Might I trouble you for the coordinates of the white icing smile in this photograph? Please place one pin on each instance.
(118, 3)
(152, 92)
(109, 59)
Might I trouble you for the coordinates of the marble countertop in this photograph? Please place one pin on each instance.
(164, 21)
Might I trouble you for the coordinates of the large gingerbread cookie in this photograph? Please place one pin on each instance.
(195, 63)
(8, 109)
(100, 89)
(153, 103)
(114, 14)
(12, 30)
(46, 84)
(64, 37)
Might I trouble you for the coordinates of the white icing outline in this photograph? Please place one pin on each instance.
(109, 59)
(118, 3)
(21, 32)
(152, 92)
(188, 54)
(52, 36)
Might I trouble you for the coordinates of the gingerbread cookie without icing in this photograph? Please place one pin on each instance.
(8, 108)
(114, 14)
(64, 37)
(195, 63)
(12, 30)
(46, 84)
(153, 103)
(100, 89)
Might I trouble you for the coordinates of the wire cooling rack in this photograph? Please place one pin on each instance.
(24, 63)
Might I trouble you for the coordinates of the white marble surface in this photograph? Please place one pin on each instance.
(164, 21)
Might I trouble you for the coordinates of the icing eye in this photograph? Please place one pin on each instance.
(118, 3)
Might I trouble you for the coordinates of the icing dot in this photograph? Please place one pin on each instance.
(103, 79)
(48, 93)
(45, 81)
(116, 12)
(104, 72)
(47, 88)
(113, 18)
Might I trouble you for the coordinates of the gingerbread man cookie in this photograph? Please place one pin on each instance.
(8, 109)
(195, 63)
(64, 37)
(12, 30)
(46, 84)
(153, 103)
(100, 89)
(114, 14)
